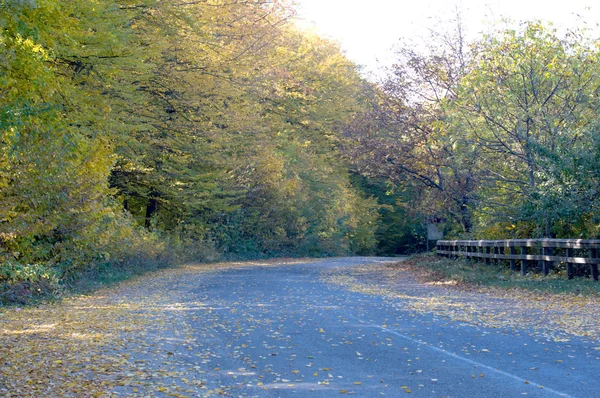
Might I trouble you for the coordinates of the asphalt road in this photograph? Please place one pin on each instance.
(286, 332)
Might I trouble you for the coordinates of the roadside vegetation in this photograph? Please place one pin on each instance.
(142, 134)
(467, 274)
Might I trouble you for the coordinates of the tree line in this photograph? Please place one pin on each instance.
(165, 131)
(498, 136)
(158, 131)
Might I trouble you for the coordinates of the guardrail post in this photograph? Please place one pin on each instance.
(570, 254)
(523, 260)
(547, 251)
(594, 267)
(487, 252)
(513, 262)
(540, 262)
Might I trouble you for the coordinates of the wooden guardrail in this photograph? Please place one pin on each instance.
(545, 252)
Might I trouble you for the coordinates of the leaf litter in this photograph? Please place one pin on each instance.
(135, 340)
(99, 345)
(552, 316)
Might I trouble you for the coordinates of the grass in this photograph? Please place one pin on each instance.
(106, 275)
(29, 292)
(103, 275)
(431, 268)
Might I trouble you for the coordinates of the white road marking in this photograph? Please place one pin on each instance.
(467, 360)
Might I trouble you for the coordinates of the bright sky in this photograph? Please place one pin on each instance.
(368, 29)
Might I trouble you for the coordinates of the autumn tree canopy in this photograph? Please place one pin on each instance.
(497, 136)
(154, 131)
(171, 128)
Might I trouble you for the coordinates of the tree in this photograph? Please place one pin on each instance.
(206, 121)
(298, 194)
(235, 110)
(530, 103)
(406, 135)
(55, 206)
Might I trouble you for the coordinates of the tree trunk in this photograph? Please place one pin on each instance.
(151, 208)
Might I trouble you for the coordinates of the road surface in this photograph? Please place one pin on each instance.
(286, 331)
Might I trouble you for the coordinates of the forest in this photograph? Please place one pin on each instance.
(146, 132)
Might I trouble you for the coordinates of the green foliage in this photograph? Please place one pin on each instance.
(143, 133)
(498, 137)
(14, 272)
(56, 210)
(297, 202)
(530, 102)
(399, 229)
(20, 282)
(52, 173)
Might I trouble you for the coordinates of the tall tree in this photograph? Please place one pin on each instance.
(55, 205)
(299, 197)
(406, 137)
(530, 103)
(193, 105)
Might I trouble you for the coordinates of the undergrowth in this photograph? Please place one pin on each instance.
(32, 284)
(433, 268)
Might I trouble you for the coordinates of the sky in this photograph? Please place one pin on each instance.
(368, 29)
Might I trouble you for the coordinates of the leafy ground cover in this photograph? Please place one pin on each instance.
(73, 348)
(124, 340)
(431, 269)
(551, 307)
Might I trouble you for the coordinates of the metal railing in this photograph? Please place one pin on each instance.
(545, 252)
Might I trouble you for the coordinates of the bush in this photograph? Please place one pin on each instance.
(21, 282)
